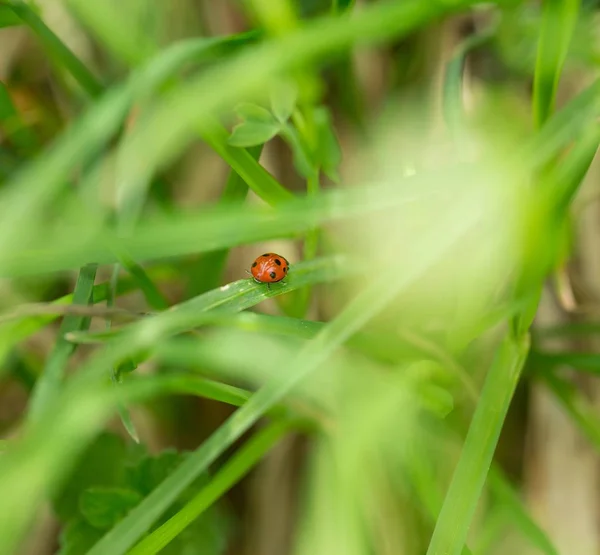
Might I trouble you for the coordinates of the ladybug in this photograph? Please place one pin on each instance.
(269, 268)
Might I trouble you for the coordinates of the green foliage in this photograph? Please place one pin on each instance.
(110, 480)
(416, 275)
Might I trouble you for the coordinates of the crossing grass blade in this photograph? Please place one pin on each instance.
(228, 475)
(49, 384)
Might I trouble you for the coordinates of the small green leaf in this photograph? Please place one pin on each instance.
(283, 101)
(253, 133)
(104, 507)
(253, 112)
(77, 537)
(8, 18)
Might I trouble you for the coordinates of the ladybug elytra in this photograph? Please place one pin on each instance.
(269, 268)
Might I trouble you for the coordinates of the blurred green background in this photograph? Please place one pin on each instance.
(422, 382)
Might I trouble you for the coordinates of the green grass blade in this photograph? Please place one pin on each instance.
(580, 409)
(207, 272)
(451, 529)
(232, 472)
(8, 18)
(128, 36)
(214, 228)
(58, 51)
(245, 165)
(505, 494)
(558, 23)
(49, 384)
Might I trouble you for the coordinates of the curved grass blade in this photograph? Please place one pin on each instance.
(558, 23)
(57, 50)
(245, 165)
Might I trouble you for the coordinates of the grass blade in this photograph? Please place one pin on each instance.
(207, 273)
(245, 165)
(49, 384)
(580, 409)
(57, 50)
(451, 529)
(558, 23)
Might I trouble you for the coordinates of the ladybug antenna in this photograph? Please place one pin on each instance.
(249, 273)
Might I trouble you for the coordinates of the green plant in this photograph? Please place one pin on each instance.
(408, 277)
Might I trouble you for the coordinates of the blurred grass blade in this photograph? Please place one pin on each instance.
(31, 189)
(558, 23)
(228, 475)
(8, 18)
(130, 35)
(570, 173)
(152, 294)
(581, 410)
(245, 165)
(58, 51)
(453, 523)
(49, 384)
(506, 495)
(207, 272)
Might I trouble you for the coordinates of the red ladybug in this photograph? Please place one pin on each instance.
(269, 268)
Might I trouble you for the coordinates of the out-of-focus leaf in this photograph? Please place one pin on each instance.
(8, 18)
(253, 133)
(283, 100)
(103, 464)
(104, 507)
(77, 537)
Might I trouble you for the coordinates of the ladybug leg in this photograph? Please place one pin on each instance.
(268, 286)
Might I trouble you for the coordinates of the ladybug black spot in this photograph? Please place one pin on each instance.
(285, 268)
(266, 254)
(278, 262)
(254, 265)
(273, 275)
